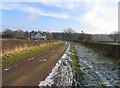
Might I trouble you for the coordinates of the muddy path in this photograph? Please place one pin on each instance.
(33, 70)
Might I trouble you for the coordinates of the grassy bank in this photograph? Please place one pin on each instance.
(8, 59)
(78, 75)
(14, 45)
(109, 50)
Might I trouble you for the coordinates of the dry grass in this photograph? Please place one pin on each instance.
(11, 46)
(16, 50)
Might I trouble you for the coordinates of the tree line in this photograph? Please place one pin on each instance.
(17, 34)
(20, 34)
(67, 35)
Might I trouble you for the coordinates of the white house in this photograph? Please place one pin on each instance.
(38, 36)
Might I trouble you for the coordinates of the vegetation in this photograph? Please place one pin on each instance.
(20, 34)
(49, 36)
(105, 49)
(65, 36)
(69, 32)
(76, 67)
(115, 36)
(25, 49)
(11, 46)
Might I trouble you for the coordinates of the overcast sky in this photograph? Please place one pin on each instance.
(98, 16)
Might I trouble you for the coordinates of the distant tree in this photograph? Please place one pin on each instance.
(26, 35)
(19, 34)
(0, 35)
(88, 38)
(58, 36)
(75, 37)
(7, 33)
(82, 37)
(115, 36)
(69, 32)
(49, 36)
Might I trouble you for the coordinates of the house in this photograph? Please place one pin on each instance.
(37, 36)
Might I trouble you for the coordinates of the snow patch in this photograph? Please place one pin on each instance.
(61, 74)
(43, 60)
(6, 69)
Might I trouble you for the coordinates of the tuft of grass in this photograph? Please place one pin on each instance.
(76, 67)
(8, 59)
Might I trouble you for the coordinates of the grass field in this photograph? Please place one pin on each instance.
(24, 49)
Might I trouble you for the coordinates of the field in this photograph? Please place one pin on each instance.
(15, 50)
(56, 63)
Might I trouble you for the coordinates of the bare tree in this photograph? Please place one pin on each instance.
(26, 35)
(115, 36)
(19, 34)
(69, 32)
(7, 33)
(88, 38)
(49, 36)
(82, 37)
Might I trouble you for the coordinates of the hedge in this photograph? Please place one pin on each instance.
(106, 49)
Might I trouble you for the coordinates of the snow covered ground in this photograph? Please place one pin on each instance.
(98, 70)
(61, 74)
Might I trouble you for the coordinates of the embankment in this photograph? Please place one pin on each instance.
(109, 50)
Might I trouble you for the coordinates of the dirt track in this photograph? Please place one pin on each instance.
(33, 70)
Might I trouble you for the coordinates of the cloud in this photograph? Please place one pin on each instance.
(68, 4)
(37, 12)
(101, 17)
(34, 12)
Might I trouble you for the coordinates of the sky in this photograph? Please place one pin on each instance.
(90, 16)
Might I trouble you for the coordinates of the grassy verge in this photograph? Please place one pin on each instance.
(76, 67)
(108, 50)
(12, 58)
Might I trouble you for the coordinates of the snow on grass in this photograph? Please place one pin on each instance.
(97, 66)
(61, 74)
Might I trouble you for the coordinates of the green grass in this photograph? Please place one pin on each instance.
(76, 66)
(13, 58)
